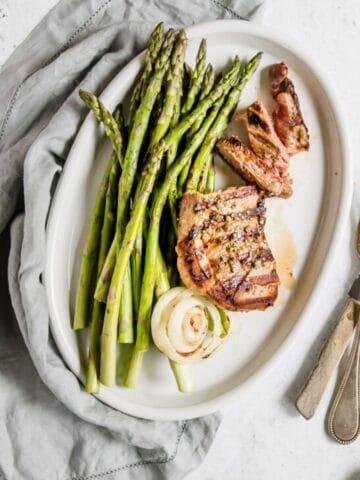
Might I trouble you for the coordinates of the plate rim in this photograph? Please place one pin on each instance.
(226, 399)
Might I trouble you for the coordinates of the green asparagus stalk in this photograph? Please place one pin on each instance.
(96, 315)
(153, 49)
(188, 76)
(207, 85)
(172, 151)
(210, 183)
(103, 115)
(136, 137)
(173, 192)
(89, 259)
(119, 118)
(162, 283)
(136, 268)
(221, 123)
(98, 309)
(155, 44)
(172, 89)
(177, 107)
(204, 177)
(196, 78)
(126, 327)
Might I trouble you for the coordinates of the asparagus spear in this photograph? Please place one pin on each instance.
(221, 123)
(147, 291)
(103, 115)
(210, 183)
(126, 328)
(172, 89)
(204, 177)
(120, 119)
(136, 137)
(136, 268)
(108, 357)
(88, 265)
(98, 309)
(207, 84)
(154, 45)
(196, 78)
(97, 314)
(177, 107)
(89, 257)
(187, 77)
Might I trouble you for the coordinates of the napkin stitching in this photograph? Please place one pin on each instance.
(141, 463)
(72, 37)
(228, 9)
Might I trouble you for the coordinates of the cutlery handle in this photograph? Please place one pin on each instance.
(331, 353)
(344, 416)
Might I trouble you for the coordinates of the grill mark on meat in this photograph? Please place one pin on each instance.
(255, 120)
(227, 256)
(247, 283)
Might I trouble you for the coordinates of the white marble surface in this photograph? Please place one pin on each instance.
(263, 437)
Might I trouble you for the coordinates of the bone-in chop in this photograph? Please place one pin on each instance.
(222, 249)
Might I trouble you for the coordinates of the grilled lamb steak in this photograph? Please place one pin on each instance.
(288, 119)
(222, 249)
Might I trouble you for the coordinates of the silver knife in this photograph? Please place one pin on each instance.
(330, 355)
(344, 415)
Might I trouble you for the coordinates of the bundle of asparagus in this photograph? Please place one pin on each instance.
(176, 115)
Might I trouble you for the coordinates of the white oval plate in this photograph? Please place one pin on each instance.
(314, 217)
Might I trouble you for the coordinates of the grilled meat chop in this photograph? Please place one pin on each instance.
(266, 164)
(288, 119)
(222, 249)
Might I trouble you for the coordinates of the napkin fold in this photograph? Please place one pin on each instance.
(49, 427)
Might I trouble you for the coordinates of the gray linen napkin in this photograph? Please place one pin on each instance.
(50, 428)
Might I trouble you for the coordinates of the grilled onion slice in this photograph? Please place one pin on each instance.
(187, 327)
